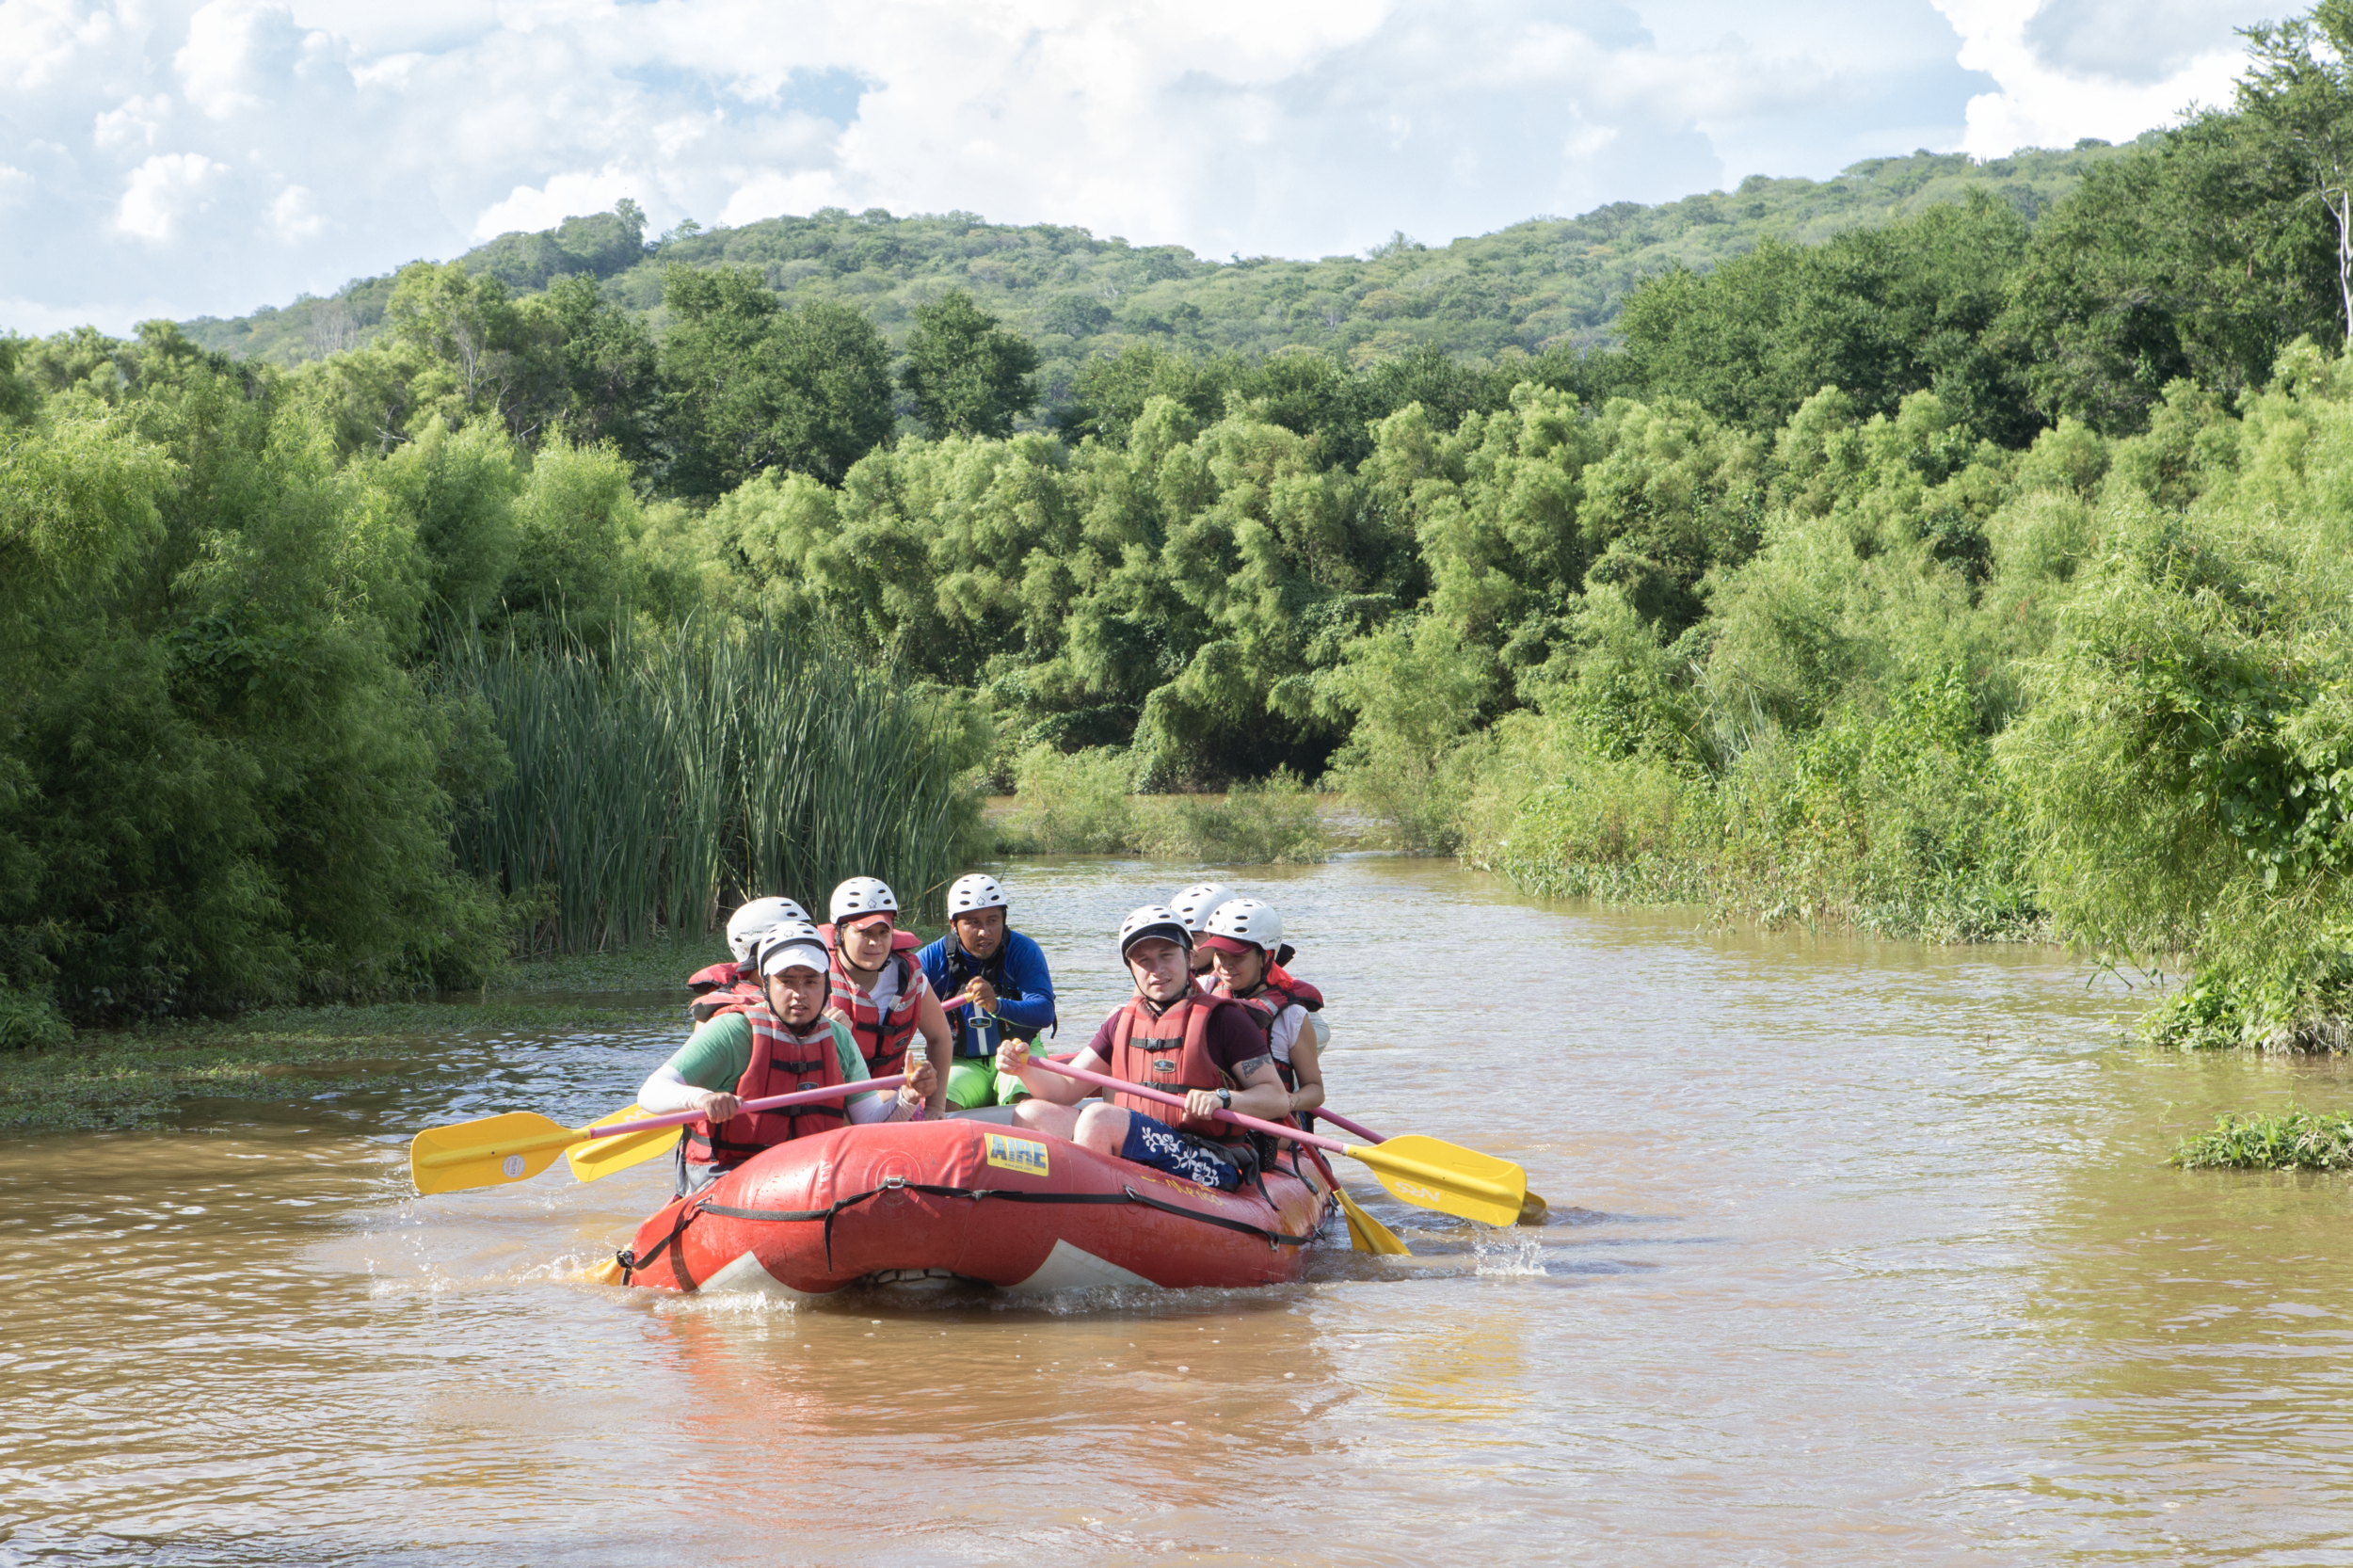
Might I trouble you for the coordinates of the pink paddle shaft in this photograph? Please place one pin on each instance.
(1236, 1117)
(1346, 1126)
(802, 1096)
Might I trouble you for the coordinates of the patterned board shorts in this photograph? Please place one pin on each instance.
(1180, 1154)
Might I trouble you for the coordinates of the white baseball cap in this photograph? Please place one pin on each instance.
(793, 946)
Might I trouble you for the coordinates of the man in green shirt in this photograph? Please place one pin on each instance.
(784, 1044)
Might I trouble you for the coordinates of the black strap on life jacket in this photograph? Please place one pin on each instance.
(963, 967)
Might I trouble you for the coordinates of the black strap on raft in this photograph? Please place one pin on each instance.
(630, 1262)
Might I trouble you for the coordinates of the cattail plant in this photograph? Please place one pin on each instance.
(659, 782)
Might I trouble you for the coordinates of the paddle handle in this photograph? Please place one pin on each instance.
(800, 1096)
(1157, 1097)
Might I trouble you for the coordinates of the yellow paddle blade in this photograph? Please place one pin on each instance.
(606, 1272)
(1534, 1210)
(592, 1157)
(1367, 1234)
(1431, 1172)
(486, 1153)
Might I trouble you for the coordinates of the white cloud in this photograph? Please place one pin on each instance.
(550, 204)
(47, 39)
(2133, 41)
(769, 194)
(134, 124)
(358, 134)
(162, 191)
(237, 54)
(2053, 86)
(293, 216)
(36, 317)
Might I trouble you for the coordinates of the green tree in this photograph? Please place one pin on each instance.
(475, 344)
(219, 782)
(2298, 91)
(2199, 257)
(967, 375)
(605, 375)
(1881, 313)
(457, 489)
(752, 387)
(576, 522)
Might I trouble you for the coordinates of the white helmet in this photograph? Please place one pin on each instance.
(749, 924)
(862, 895)
(1152, 919)
(789, 943)
(1195, 905)
(970, 894)
(1245, 920)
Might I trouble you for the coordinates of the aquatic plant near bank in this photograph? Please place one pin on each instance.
(657, 780)
(1260, 822)
(1071, 803)
(1080, 804)
(2293, 1140)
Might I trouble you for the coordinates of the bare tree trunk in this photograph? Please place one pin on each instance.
(2339, 203)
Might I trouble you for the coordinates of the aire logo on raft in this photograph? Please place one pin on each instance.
(1016, 1154)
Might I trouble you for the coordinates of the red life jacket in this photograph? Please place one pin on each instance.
(1171, 1053)
(782, 1062)
(882, 1037)
(1300, 991)
(1277, 990)
(1265, 1005)
(716, 977)
(722, 988)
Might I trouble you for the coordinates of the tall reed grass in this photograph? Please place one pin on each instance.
(656, 781)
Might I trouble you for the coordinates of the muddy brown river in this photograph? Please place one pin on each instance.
(1861, 1253)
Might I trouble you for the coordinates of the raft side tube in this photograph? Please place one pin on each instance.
(999, 1206)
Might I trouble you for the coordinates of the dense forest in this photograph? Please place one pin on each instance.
(1951, 550)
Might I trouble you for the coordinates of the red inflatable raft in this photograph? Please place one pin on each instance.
(969, 1200)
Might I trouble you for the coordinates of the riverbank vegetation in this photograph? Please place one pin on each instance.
(2292, 1140)
(156, 1070)
(1083, 802)
(1976, 571)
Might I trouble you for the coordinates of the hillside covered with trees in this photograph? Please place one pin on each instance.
(1972, 564)
(1550, 282)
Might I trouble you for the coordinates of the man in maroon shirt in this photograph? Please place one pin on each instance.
(1219, 1058)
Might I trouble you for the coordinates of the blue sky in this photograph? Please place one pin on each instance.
(175, 159)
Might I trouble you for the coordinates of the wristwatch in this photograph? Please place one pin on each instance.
(1225, 1098)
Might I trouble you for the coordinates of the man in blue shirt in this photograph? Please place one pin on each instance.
(994, 982)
